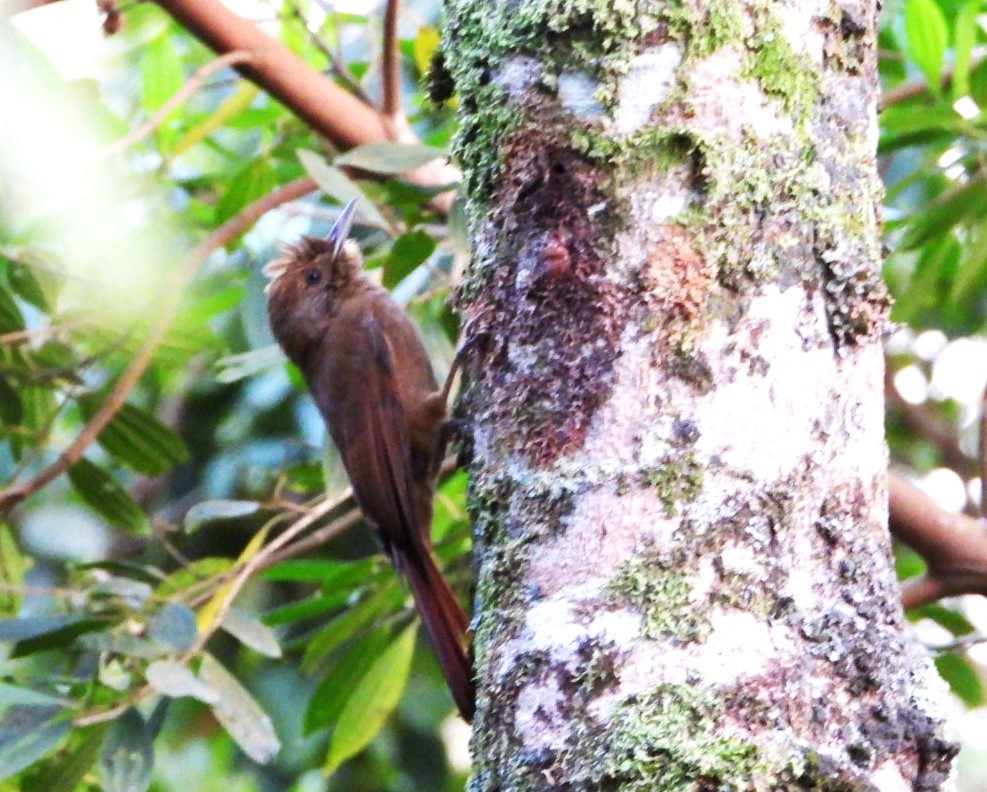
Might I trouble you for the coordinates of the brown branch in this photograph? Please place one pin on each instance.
(983, 452)
(330, 110)
(11, 497)
(954, 546)
(903, 93)
(390, 76)
(181, 96)
(912, 90)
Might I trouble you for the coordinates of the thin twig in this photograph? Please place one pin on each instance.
(11, 497)
(280, 549)
(912, 90)
(390, 76)
(181, 96)
(249, 569)
(962, 643)
(18, 337)
(983, 452)
(338, 68)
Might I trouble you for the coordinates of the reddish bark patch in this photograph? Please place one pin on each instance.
(679, 280)
(553, 313)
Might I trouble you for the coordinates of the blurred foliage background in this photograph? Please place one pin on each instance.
(113, 576)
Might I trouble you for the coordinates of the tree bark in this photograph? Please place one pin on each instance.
(678, 476)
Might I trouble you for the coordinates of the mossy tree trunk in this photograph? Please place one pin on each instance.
(676, 399)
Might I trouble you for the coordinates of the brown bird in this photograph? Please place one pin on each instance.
(365, 366)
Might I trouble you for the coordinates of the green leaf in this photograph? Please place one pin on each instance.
(961, 677)
(11, 408)
(11, 319)
(14, 694)
(333, 182)
(909, 126)
(978, 83)
(173, 627)
(334, 691)
(56, 637)
(67, 773)
(253, 181)
(207, 511)
(239, 713)
(161, 73)
(307, 608)
(13, 566)
(928, 36)
(251, 633)
(964, 38)
(409, 251)
(38, 288)
(127, 759)
(373, 700)
(228, 109)
(952, 620)
(936, 220)
(27, 734)
(24, 629)
(330, 573)
(234, 368)
(175, 680)
(389, 158)
(348, 623)
(105, 495)
(136, 438)
(192, 574)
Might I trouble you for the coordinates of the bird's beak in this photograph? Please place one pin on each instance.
(341, 230)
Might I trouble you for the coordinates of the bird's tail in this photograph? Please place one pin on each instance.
(446, 625)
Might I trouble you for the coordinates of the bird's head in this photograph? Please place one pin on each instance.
(308, 281)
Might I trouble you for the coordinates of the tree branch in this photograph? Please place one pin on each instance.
(181, 95)
(954, 546)
(390, 100)
(983, 452)
(331, 111)
(11, 497)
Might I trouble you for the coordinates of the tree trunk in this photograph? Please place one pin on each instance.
(678, 476)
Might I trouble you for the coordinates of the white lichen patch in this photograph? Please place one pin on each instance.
(740, 559)
(616, 428)
(604, 530)
(518, 74)
(800, 27)
(649, 79)
(577, 92)
(741, 648)
(756, 421)
(887, 778)
(736, 648)
(539, 719)
(559, 627)
(723, 103)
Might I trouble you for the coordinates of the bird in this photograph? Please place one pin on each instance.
(367, 370)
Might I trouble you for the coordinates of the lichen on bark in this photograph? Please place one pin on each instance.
(674, 400)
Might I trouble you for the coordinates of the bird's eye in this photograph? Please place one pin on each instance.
(313, 275)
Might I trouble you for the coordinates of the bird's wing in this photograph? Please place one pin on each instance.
(375, 446)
